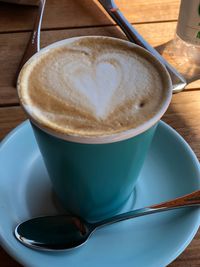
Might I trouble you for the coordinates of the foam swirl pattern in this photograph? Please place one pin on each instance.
(91, 87)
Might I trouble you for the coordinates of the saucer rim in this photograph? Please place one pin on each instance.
(11, 249)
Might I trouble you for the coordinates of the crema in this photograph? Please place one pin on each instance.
(91, 86)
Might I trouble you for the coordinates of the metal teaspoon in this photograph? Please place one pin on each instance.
(33, 45)
(63, 232)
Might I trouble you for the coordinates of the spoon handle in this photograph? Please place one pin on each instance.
(184, 201)
(189, 200)
(178, 81)
(33, 45)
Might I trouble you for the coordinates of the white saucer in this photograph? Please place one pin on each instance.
(171, 169)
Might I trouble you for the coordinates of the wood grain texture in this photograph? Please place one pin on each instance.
(64, 14)
(12, 46)
(183, 115)
(9, 119)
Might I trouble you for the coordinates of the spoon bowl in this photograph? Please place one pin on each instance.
(54, 232)
(63, 232)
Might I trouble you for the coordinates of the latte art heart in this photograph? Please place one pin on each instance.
(97, 81)
(91, 86)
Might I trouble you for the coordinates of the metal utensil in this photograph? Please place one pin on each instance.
(33, 45)
(178, 81)
(67, 231)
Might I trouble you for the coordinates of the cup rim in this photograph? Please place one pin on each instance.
(103, 139)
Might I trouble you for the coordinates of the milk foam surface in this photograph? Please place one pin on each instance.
(91, 87)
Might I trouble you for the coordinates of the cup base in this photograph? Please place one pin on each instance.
(127, 206)
(130, 203)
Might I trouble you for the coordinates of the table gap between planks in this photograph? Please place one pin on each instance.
(155, 20)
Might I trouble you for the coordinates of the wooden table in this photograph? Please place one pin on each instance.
(155, 20)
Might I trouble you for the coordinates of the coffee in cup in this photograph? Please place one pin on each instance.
(94, 103)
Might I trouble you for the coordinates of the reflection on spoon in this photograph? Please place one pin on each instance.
(67, 231)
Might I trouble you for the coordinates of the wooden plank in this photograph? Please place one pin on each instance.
(183, 115)
(9, 119)
(12, 46)
(64, 14)
(6, 260)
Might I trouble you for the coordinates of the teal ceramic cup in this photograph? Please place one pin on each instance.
(94, 177)
(93, 181)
